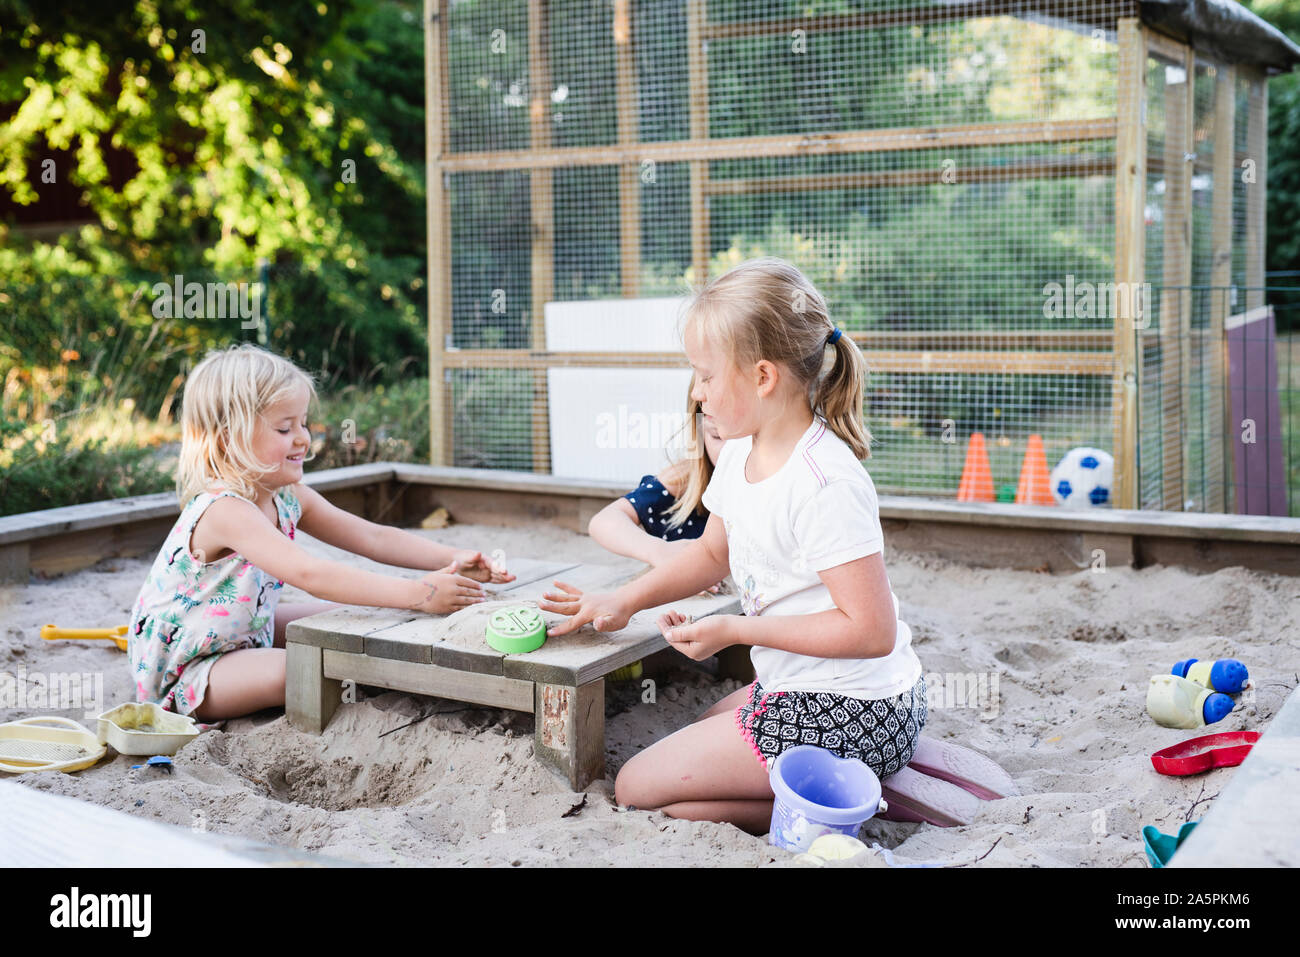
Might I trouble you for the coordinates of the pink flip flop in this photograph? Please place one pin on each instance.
(944, 784)
(913, 796)
(961, 766)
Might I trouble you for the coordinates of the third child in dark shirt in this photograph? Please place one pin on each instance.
(663, 513)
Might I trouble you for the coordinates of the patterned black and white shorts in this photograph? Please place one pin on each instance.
(881, 733)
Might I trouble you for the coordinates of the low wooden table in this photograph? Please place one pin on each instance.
(562, 683)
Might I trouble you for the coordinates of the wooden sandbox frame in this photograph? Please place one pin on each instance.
(1042, 538)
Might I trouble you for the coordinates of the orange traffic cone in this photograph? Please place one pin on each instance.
(1035, 486)
(976, 476)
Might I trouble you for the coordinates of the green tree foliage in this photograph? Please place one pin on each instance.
(290, 132)
(1283, 253)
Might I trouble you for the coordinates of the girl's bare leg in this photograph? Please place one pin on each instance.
(753, 817)
(242, 682)
(704, 772)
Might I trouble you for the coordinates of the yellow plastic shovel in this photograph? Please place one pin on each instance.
(115, 635)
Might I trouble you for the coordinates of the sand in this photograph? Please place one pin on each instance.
(1060, 662)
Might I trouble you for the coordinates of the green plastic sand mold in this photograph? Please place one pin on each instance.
(516, 631)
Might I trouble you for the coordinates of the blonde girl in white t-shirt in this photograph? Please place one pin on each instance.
(793, 518)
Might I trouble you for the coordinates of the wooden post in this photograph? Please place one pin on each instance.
(629, 131)
(15, 563)
(1183, 333)
(437, 139)
(1254, 173)
(1176, 279)
(569, 730)
(697, 60)
(310, 698)
(1130, 250)
(543, 220)
(1257, 191)
(1218, 449)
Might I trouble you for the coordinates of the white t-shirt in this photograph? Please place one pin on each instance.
(817, 511)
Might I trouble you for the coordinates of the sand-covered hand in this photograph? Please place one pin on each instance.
(601, 611)
(448, 591)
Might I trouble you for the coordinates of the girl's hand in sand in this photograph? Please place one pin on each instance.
(603, 612)
(480, 568)
(697, 640)
(448, 591)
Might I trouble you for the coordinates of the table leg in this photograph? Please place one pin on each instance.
(309, 697)
(569, 733)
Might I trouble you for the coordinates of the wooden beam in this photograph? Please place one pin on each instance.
(1256, 192)
(697, 62)
(629, 131)
(915, 361)
(1201, 541)
(1011, 339)
(542, 206)
(1166, 46)
(1203, 164)
(1011, 363)
(428, 679)
(437, 140)
(1218, 445)
(1006, 339)
(1175, 276)
(1130, 239)
(811, 144)
(900, 16)
(1062, 167)
(1016, 339)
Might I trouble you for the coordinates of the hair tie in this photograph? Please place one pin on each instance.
(833, 338)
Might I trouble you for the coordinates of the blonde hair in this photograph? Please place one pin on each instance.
(767, 309)
(224, 396)
(697, 467)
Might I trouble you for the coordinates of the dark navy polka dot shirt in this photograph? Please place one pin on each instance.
(652, 502)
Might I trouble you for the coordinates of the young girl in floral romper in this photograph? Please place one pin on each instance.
(207, 630)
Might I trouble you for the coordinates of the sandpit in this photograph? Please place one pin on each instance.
(1060, 663)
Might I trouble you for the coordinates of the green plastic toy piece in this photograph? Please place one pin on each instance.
(516, 631)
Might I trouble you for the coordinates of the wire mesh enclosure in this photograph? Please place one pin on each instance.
(1033, 217)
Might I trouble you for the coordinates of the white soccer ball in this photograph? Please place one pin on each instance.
(1082, 479)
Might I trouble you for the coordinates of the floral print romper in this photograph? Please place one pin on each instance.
(189, 613)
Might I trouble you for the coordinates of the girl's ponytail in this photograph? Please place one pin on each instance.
(766, 308)
(838, 395)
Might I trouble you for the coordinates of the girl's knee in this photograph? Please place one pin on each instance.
(624, 787)
(631, 788)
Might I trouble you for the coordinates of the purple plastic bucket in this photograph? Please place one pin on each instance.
(818, 793)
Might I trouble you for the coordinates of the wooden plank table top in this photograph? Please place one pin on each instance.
(447, 656)
(456, 641)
